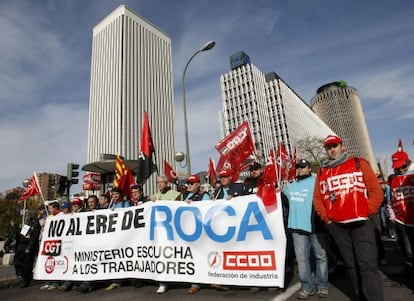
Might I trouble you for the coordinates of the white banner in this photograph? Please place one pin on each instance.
(235, 242)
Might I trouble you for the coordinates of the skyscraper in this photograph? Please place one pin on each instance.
(339, 106)
(275, 112)
(131, 72)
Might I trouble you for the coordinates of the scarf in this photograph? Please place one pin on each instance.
(330, 163)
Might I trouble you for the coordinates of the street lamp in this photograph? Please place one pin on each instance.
(209, 45)
(25, 184)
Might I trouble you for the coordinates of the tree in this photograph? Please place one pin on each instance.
(10, 210)
(311, 149)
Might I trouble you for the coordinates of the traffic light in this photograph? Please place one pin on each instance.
(62, 184)
(72, 173)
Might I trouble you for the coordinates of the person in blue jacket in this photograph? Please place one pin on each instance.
(301, 225)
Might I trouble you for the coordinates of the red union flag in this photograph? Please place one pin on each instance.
(91, 181)
(266, 186)
(282, 162)
(124, 179)
(235, 148)
(170, 173)
(211, 172)
(146, 164)
(400, 146)
(32, 189)
(292, 169)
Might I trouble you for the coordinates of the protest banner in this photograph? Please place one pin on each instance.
(233, 242)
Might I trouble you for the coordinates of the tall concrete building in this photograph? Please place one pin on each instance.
(48, 184)
(339, 106)
(275, 112)
(131, 72)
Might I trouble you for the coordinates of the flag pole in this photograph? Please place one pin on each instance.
(41, 194)
(24, 212)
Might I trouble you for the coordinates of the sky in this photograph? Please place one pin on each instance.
(45, 59)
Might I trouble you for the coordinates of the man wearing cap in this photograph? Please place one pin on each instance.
(250, 183)
(65, 208)
(228, 188)
(346, 194)
(194, 193)
(400, 185)
(302, 225)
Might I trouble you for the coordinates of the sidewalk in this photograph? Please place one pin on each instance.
(396, 284)
(7, 274)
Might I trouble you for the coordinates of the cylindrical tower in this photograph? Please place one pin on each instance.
(339, 106)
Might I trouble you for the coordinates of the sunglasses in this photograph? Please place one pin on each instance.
(404, 166)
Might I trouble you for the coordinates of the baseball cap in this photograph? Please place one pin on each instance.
(225, 173)
(193, 179)
(65, 205)
(332, 139)
(399, 159)
(77, 201)
(255, 166)
(303, 163)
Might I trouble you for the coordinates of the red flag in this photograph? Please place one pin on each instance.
(235, 148)
(266, 188)
(400, 147)
(170, 173)
(292, 169)
(124, 178)
(127, 182)
(269, 174)
(211, 172)
(32, 189)
(120, 171)
(146, 165)
(282, 163)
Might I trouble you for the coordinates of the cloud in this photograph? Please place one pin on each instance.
(42, 141)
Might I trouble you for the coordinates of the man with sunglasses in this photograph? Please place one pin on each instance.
(399, 192)
(346, 194)
(194, 192)
(303, 226)
(228, 188)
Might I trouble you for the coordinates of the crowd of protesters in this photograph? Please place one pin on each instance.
(326, 223)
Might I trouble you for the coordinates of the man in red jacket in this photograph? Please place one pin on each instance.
(346, 194)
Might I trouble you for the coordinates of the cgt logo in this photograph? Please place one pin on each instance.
(52, 247)
(249, 261)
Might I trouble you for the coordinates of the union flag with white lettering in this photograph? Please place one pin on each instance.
(235, 148)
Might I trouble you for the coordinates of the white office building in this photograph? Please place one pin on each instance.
(339, 106)
(275, 112)
(131, 72)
